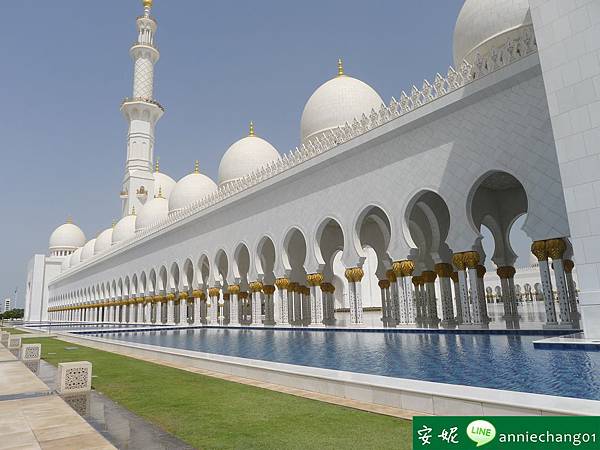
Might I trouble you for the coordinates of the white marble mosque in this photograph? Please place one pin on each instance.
(378, 210)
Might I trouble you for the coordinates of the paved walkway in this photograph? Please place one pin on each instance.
(31, 417)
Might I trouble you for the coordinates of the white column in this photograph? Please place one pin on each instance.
(159, 312)
(183, 320)
(213, 294)
(354, 276)
(255, 299)
(429, 278)
(316, 299)
(282, 295)
(459, 263)
(444, 271)
(538, 248)
(571, 289)
(234, 315)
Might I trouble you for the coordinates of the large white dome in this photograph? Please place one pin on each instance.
(103, 241)
(153, 211)
(67, 237)
(189, 189)
(483, 24)
(124, 229)
(164, 182)
(88, 249)
(336, 102)
(244, 156)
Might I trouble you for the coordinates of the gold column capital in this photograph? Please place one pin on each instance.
(256, 286)
(443, 270)
(458, 259)
(391, 276)
(282, 283)
(505, 272)
(269, 289)
(183, 295)
(569, 265)
(314, 279)
(233, 289)
(384, 284)
(428, 276)
(417, 280)
(538, 248)
(471, 259)
(214, 292)
(556, 248)
(403, 268)
(354, 274)
(170, 296)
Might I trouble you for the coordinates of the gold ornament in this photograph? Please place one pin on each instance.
(233, 289)
(170, 296)
(429, 276)
(569, 265)
(269, 289)
(256, 286)
(538, 248)
(471, 259)
(443, 270)
(480, 271)
(556, 248)
(458, 259)
(282, 283)
(214, 292)
(314, 279)
(384, 284)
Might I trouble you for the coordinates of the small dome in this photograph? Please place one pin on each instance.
(163, 181)
(103, 241)
(124, 229)
(76, 257)
(67, 237)
(189, 189)
(484, 24)
(88, 249)
(244, 156)
(153, 211)
(336, 102)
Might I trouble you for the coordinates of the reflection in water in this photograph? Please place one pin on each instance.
(486, 360)
(121, 427)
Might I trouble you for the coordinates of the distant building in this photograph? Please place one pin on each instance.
(6, 305)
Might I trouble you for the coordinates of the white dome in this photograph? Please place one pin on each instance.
(67, 237)
(124, 229)
(483, 24)
(164, 182)
(244, 156)
(336, 102)
(75, 257)
(189, 189)
(103, 241)
(88, 249)
(153, 211)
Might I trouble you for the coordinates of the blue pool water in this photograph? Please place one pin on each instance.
(495, 361)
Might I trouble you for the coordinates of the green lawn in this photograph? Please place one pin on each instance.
(14, 331)
(211, 413)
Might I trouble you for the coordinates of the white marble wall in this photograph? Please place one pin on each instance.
(568, 36)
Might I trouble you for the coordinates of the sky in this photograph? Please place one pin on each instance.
(66, 68)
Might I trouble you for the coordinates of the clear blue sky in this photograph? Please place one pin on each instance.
(66, 67)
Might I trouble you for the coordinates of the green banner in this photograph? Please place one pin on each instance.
(506, 432)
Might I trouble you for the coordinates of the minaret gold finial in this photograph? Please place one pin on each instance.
(197, 167)
(156, 165)
(133, 210)
(114, 222)
(147, 3)
(251, 131)
(340, 67)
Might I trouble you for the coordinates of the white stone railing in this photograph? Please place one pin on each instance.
(512, 50)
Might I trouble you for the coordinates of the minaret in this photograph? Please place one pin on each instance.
(142, 112)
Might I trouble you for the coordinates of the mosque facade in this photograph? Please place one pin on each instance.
(380, 207)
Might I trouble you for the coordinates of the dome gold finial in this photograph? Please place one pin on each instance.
(157, 165)
(114, 222)
(159, 195)
(133, 210)
(251, 131)
(147, 3)
(69, 220)
(197, 166)
(340, 67)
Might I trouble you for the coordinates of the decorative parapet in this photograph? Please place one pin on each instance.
(31, 352)
(14, 342)
(511, 51)
(74, 377)
(4, 335)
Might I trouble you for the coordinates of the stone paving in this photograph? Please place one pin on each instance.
(31, 417)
